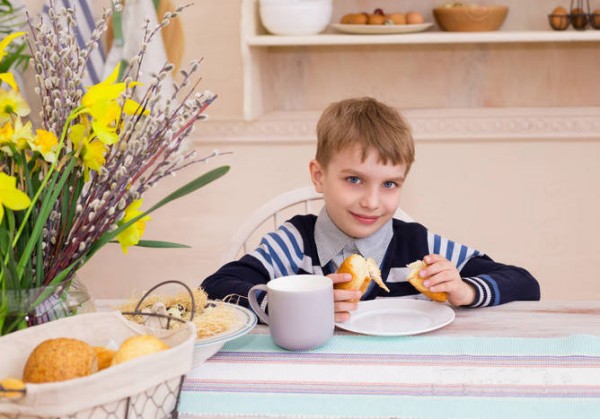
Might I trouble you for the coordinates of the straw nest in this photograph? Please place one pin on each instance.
(211, 317)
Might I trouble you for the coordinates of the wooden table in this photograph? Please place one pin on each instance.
(519, 318)
(527, 319)
(490, 358)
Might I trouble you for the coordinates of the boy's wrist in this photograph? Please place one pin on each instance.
(469, 295)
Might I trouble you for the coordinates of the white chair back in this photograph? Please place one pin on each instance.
(274, 213)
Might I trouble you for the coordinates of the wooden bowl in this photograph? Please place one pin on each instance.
(470, 18)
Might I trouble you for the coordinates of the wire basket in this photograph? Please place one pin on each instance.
(145, 387)
(580, 17)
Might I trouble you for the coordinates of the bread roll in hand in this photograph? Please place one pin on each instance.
(362, 271)
(417, 282)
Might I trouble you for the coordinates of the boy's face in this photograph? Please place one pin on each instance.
(360, 196)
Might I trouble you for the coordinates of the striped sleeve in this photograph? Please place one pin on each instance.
(457, 253)
(281, 252)
(486, 290)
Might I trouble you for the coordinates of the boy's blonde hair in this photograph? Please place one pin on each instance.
(368, 123)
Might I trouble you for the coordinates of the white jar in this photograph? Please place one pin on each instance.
(295, 17)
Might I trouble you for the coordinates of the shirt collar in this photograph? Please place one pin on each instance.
(330, 240)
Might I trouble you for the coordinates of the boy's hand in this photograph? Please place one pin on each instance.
(442, 276)
(344, 301)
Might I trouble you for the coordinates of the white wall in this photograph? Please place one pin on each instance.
(528, 201)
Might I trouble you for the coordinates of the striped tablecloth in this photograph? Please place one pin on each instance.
(415, 376)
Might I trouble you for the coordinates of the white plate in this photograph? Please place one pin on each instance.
(207, 347)
(381, 29)
(397, 317)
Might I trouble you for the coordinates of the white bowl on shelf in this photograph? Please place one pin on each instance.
(295, 17)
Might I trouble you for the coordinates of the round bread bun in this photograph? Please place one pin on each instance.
(417, 282)
(137, 346)
(362, 271)
(59, 360)
(105, 357)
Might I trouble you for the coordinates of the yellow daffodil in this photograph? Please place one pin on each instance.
(101, 101)
(21, 134)
(91, 152)
(18, 136)
(8, 77)
(105, 91)
(45, 143)
(10, 196)
(105, 122)
(93, 158)
(132, 234)
(7, 40)
(12, 104)
(6, 133)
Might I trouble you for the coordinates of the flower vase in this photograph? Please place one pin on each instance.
(34, 306)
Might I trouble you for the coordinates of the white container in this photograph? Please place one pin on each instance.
(295, 17)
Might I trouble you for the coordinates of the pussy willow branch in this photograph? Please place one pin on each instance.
(148, 149)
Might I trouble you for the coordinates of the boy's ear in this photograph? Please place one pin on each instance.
(316, 175)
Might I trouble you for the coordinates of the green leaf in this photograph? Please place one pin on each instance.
(50, 198)
(39, 272)
(9, 272)
(184, 190)
(5, 240)
(7, 266)
(189, 188)
(162, 244)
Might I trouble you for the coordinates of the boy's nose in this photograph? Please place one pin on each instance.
(370, 199)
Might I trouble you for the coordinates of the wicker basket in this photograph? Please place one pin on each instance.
(146, 387)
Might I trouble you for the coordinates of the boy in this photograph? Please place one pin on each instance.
(364, 152)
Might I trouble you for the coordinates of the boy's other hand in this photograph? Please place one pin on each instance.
(345, 301)
(441, 275)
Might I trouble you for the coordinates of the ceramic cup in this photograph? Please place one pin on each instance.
(301, 313)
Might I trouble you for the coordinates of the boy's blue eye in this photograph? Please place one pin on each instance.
(389, 185)
(353, 179)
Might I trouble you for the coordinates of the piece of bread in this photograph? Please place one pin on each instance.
(12, 388)
(417, 282)
(363, 270)
(105, 357)
(137, 346)
(60, 359)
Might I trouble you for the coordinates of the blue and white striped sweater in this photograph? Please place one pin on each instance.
(291, 249)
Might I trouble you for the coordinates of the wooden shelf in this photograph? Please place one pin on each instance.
(424, 38)
(258, 48)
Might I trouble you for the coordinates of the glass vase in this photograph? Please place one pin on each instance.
(34, 306)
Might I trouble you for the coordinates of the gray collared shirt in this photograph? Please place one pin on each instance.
(333, 245)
